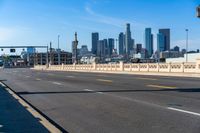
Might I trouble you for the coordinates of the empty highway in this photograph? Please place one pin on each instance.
(110, 103)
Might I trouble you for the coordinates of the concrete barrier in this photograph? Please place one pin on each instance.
(189, 67)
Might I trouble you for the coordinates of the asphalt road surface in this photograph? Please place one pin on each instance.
(110, 103)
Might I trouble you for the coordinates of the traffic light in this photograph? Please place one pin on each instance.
(12, 50)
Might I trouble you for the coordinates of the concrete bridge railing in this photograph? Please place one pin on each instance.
(189, 67)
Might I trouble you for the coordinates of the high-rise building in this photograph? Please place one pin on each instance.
(106, 47)
(83, 50)
(121, 43)
(128, 40)
(111, 46)
(160, 42)
(101, 51)
(166, 34)
(138, 48)
(74, 50)
(95, 39)
(148, 42)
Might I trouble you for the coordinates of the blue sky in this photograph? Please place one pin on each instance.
(37, 22)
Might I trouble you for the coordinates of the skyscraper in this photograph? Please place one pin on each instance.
(121, 43)
(95, 39)
(128, 40)
(106, 47)
(74, 50)
(166, 34)
(138, 48)
(101, 49)
(111, 45)
(160, 42)
(148, 42)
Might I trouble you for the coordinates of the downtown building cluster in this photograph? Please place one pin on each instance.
(127, 48)
(156, 48)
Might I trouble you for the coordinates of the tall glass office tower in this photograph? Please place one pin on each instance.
(160, 42)
(148, 42)
(95, 39)
(166, 33)
(128, 40)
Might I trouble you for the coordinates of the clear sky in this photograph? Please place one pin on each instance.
(37, 22)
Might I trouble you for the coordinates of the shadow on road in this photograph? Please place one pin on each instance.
(109, 91)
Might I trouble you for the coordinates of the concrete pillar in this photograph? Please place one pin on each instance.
(74, 66)
(182, 67)
(169, 67)
(158, 67)
(147, 67)
(94, 66)
(198, 65)
(121, 63)
(62, 66)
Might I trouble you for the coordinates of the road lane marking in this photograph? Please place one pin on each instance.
(104, 80)
(100, 92)
(70, 76)
(56, 83)
(88, 90)
(38, 79)
(183, 111)
(101, 75)
(162, 87)
(27, 76)
(147, 79)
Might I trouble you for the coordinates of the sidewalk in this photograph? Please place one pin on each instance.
(14, 118)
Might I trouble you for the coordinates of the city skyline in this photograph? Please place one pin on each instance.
(22, 23)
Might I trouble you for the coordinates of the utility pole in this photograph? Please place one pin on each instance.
(58, 50)
(186, 44)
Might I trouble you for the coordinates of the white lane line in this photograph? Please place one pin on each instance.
(93, 91)
(38, 79)
(88, 90)
(27, 76)
(56, 83)
(183, 111)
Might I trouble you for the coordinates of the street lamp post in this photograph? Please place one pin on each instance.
(186, 44)
(58, 50)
